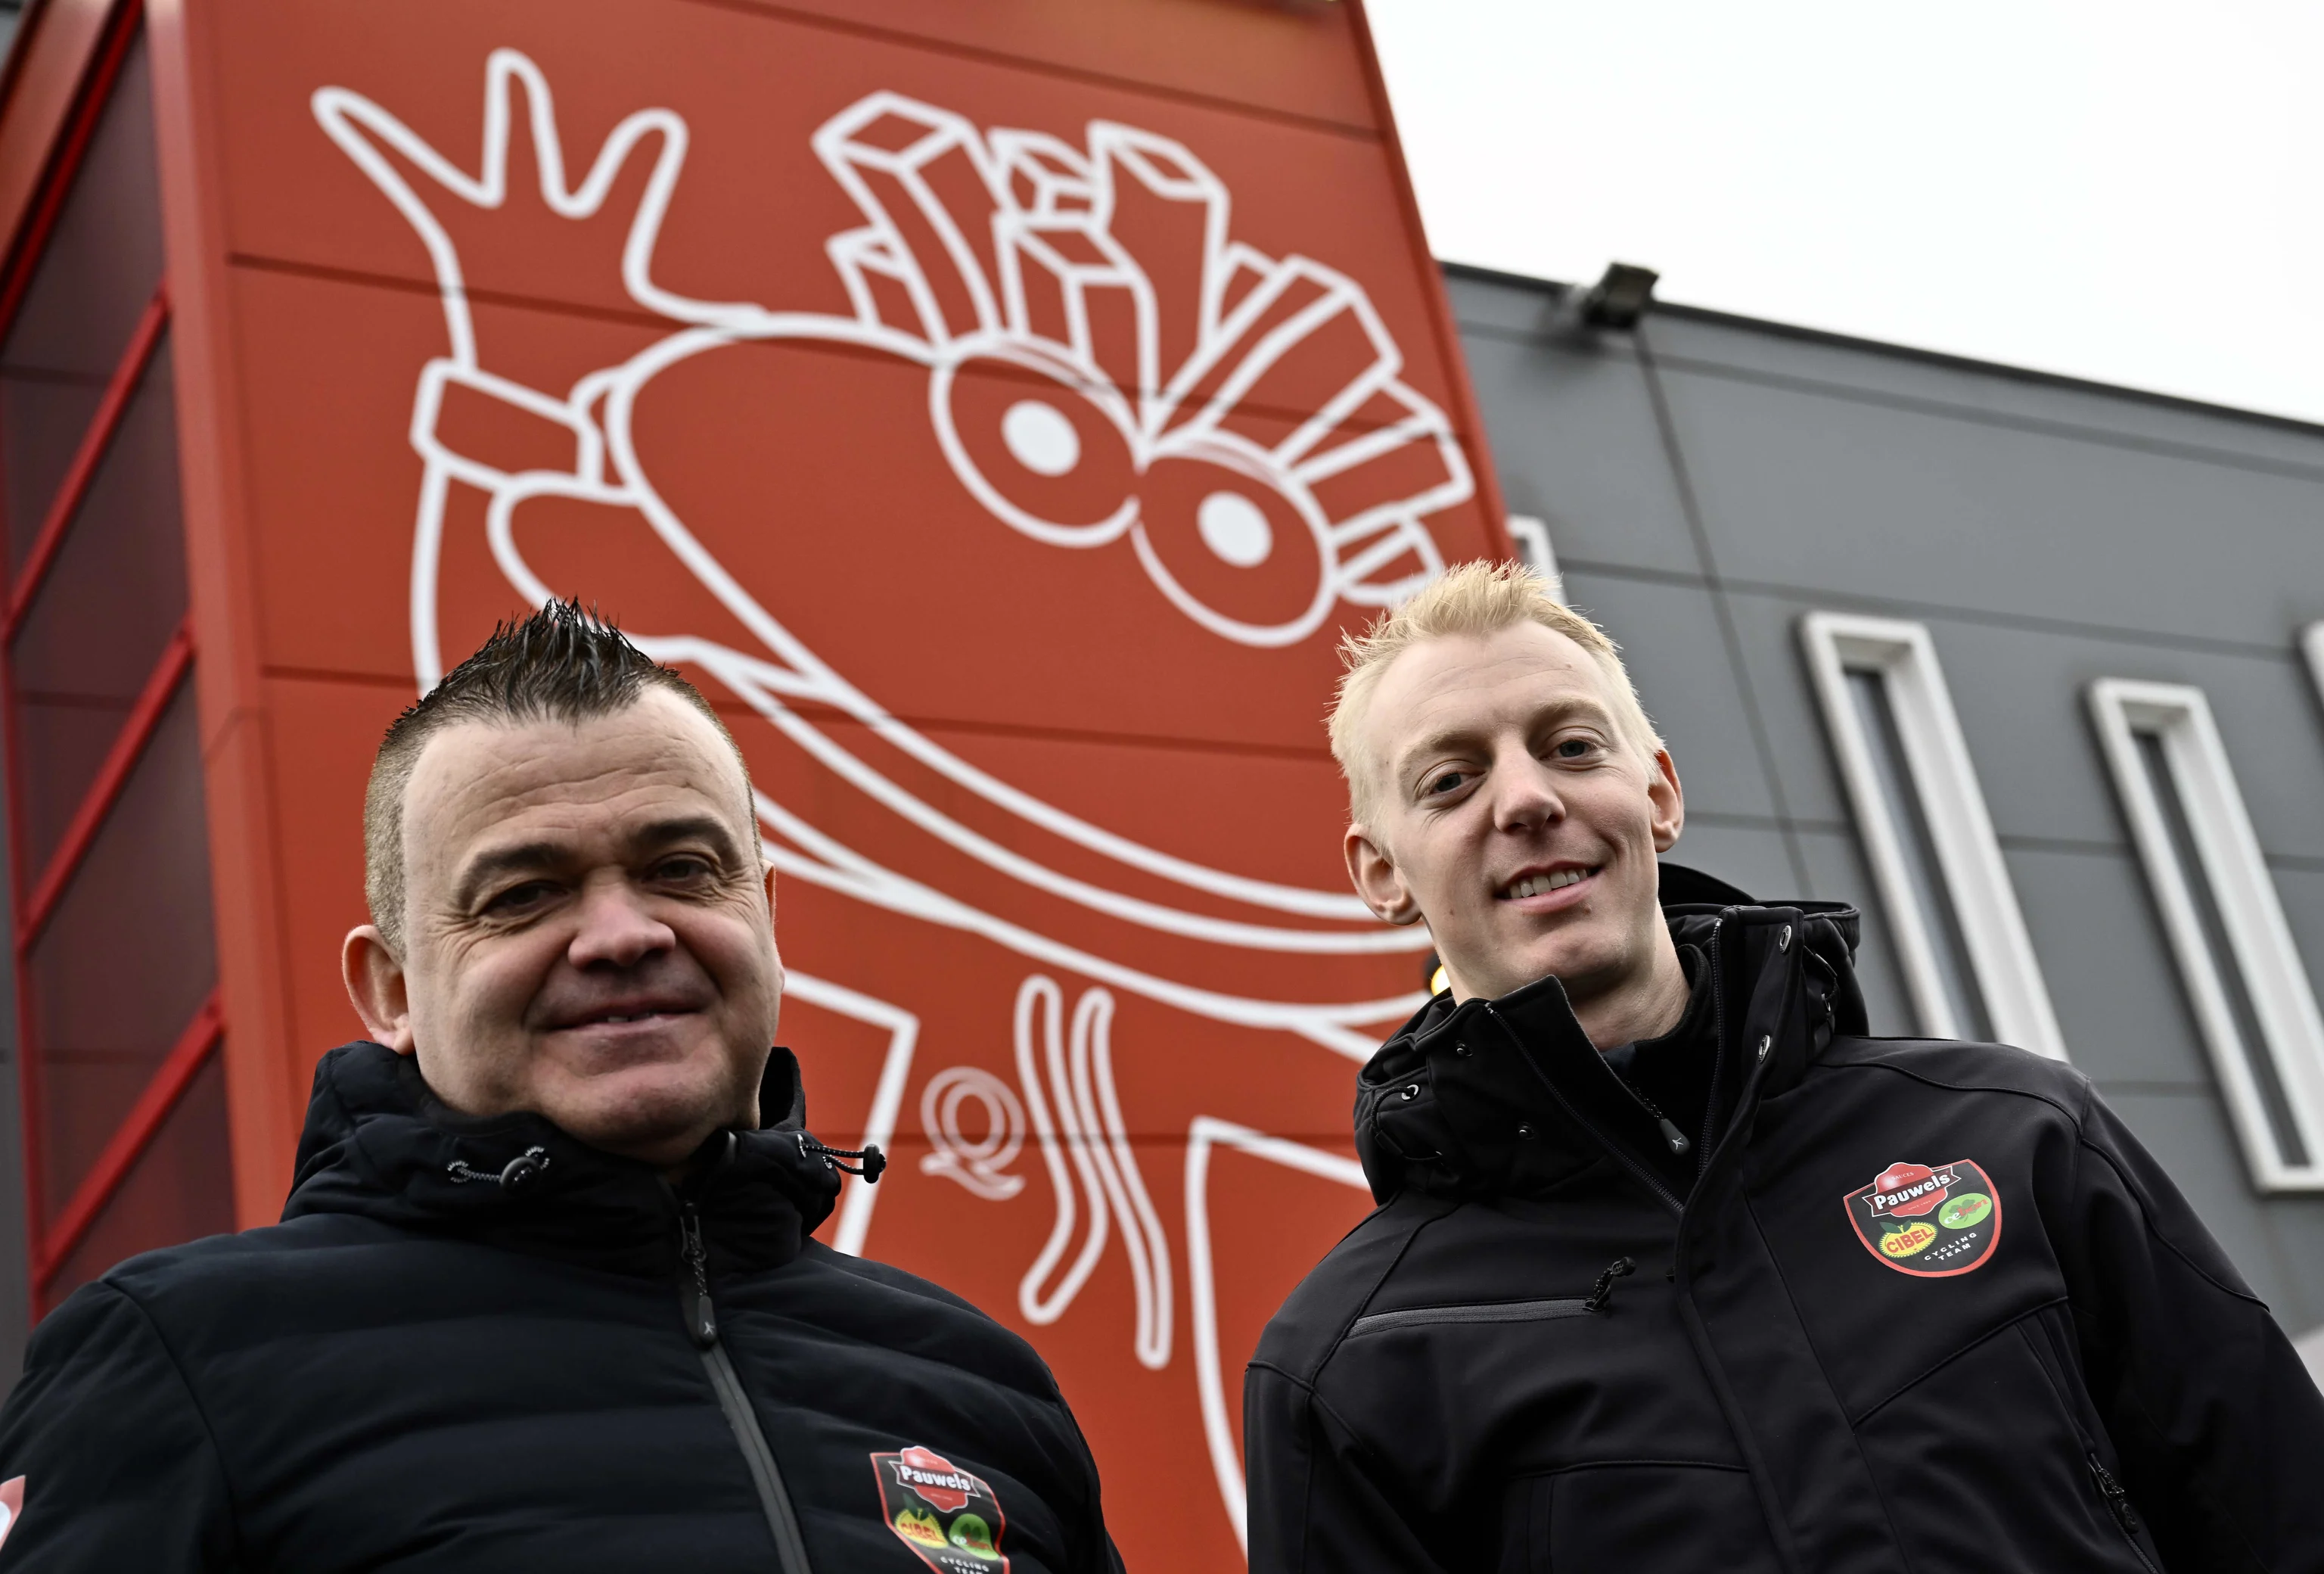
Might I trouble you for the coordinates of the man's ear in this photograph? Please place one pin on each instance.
(375, 983)
(1377, 879)
(1669, 801)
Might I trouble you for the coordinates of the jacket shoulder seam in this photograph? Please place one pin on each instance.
(1356, 1309)
(1831, 1068)
(1358, 1303)
(2146, 1220)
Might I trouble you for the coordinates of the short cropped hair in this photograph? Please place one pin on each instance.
(1475, 599)
(560, 664)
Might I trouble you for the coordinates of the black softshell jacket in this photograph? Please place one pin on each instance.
(2055, 1368)
(425, 1368)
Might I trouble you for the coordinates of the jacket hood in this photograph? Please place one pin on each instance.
(379, 1143)
(1479, 1097)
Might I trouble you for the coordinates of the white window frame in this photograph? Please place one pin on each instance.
(1992, 926)
(1530, 536)
(2250, 912)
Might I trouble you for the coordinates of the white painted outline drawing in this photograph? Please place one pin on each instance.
(1208, 1134)
(997, 245)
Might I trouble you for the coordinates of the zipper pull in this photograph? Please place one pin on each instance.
(702, 1321)
(1672, 1136)
(1603, 1290)
(2117, 1498)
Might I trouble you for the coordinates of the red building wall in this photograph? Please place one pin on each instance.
(999, 411)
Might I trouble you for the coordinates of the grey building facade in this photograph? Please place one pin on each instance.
(1711, 485)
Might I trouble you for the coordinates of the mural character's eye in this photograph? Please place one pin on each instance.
(1050, 459)
(1040, 437)
(1235, 527)
(1232, 548)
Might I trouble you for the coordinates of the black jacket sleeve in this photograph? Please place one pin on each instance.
(2219, 1428)
(119, 1466)
(1316, 1505)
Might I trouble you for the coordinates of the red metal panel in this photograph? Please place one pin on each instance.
(185, 1059)
(41, 900)
(66, 73)
(47, 77)
(266, 1082)
(27, 583)
(63, 157)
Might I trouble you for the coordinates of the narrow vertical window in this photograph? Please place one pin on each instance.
(2242, 975)
(1944, 888)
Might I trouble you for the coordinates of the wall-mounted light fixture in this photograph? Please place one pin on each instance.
(1617, 301)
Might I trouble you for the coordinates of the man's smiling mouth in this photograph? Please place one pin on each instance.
(629, 1014)
(1543, 883)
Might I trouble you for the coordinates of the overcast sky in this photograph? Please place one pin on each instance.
(2130, 190)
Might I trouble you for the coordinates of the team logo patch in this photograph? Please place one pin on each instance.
(946, 1515)
(1932, 1222)
(12, 1504)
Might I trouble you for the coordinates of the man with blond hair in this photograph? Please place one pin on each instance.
(1675, 1267)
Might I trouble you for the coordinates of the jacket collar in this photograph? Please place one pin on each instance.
(1485, 1096)
(380, 1144)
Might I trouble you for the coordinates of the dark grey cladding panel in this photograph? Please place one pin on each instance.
(1837, 872)
(1750, 857)
(1987, 392)
(1840, 495)
(1671, 642)
(2109, 966)
(1518, 306)
(2189, 1135)
(1806, 772)
(1575, 441)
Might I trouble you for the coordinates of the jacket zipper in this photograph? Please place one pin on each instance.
(1719, 1047)
(2117, 1502)
(1645, 1176)
(1672, 1138)
(702, 1328)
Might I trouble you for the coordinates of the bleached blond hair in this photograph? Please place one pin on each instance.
(1473, 599)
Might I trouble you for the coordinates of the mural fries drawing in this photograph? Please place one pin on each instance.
(1071, 435)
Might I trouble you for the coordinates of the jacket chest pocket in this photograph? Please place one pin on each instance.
(1625, 1516)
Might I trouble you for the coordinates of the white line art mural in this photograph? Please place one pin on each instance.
(1100, 285)
(1089, 1128)
(858, 1196)
(1207, 1134)
(980, 1163)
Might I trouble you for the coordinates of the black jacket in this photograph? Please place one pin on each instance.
(476, 1345)
(1913, 1306)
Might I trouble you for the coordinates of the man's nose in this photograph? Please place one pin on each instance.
(615, 930)
(1525, 793)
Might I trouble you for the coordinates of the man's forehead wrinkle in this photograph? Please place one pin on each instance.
(475, 779)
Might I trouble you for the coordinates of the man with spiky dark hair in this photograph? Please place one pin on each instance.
(544, 1295)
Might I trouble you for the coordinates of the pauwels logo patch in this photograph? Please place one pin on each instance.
(1933, 1221)
(946, 1515)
